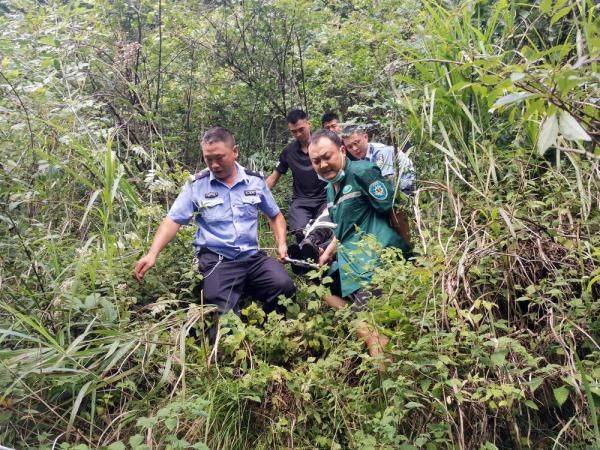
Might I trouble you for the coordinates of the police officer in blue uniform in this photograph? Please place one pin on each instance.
(224, 201)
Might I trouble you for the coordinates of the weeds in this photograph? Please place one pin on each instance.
(494, 332)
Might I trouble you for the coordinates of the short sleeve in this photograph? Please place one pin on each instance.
(267, 202)
(387, 161)
(406, 172)
(376, 188)
(283, 165)
(183, 208)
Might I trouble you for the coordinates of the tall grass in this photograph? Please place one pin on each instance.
(493, 330)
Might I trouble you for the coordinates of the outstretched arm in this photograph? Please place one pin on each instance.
(272, 179)
(165, 233)
(279, 228)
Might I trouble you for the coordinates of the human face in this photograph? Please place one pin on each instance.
(357, 144)
(326, 158)
(301, 131)
(220, 159)
(333, 125)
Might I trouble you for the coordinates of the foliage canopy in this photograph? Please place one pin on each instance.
(494, 329)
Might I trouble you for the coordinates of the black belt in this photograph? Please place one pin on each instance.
(205, 250)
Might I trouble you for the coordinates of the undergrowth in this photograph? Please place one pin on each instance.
(494, 326)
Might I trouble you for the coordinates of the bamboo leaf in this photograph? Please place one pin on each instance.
(511, 98)
(77, 403)
(570, 129)
(4, 332)
(33, 323)
(548, 134)
(448, 153)
(560, 14)
(469, 115)
(89, 206)
(506, 218)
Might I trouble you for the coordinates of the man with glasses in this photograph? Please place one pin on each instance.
(356, 141)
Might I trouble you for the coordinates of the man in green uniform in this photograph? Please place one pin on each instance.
(359, 199)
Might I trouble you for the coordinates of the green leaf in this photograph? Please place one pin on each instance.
(499, 358)
(560, 14)
(535, 383)
(147, 422)
(531, 404)
(570, 128)
(200, 446)
(171, 423)
(561, 394)
(545, 6)
(136, 440)
(77, 403)
(411, 405)
(394, 314)
(116, 446)
(548, 134)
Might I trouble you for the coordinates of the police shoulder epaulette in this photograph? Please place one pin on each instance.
(202, 174)
(255, 173)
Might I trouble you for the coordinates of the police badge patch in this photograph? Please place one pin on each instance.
(379, 160)
(378, 190)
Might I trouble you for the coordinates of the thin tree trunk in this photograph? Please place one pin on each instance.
(156, 100)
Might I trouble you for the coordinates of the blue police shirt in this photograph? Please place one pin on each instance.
(383, 156)
(227, 217)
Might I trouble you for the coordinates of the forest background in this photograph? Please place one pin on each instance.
(494, 329)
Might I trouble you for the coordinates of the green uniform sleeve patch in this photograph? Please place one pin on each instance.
(378, 190)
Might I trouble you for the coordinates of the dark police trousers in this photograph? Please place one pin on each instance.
(303, 210)
(257, 276)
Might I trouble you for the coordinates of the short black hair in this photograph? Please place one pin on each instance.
(325, 133)
(218, 134)
(295, 115)
(328, 117)
(349, 130)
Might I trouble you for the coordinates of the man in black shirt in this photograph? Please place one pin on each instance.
(308, 199)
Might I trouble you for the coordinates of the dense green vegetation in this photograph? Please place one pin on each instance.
(494, 331)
